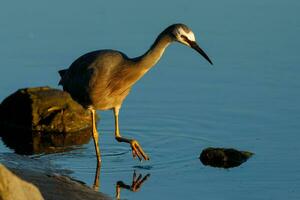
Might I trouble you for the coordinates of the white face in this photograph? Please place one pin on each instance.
(179, 32)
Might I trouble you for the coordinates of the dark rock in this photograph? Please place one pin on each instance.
(42, 119)
(224, 157)
(44, 109)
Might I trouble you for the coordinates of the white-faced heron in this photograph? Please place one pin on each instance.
(101, 80)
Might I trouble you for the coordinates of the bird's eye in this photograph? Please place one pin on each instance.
(184, 37)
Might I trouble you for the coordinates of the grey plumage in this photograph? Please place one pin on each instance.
(101, 80)
(91, 79)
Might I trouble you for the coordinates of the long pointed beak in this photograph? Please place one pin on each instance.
(195, 46)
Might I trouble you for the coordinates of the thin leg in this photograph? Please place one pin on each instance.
(137, 150)
(95, 136)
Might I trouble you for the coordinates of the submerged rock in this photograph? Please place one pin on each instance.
(42, 119)
(14, 188)
(224, 157)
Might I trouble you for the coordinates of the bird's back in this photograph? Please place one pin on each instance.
(91, 79)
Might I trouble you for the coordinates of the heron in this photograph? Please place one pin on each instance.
(102, 79)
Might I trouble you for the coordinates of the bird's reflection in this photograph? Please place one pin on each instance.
(96, 183)
(137, 181)
(30, 143)
(136, 184)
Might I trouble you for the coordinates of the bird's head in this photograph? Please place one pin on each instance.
(183, 34)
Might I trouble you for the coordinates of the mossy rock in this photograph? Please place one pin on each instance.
(43, 117)
(44, 109)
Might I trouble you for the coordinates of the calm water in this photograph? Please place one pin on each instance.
(249, 100)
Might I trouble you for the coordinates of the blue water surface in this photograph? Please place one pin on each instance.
(248, 100)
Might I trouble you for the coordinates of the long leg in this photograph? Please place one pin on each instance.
(136, 148)
(95, 136)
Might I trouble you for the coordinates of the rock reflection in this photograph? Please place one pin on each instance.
(30, 142)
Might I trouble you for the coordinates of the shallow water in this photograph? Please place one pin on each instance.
(248, 100)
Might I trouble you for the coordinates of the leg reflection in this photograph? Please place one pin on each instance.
(97, 177)
(136, 184)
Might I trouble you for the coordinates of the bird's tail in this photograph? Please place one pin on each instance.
(62, 74)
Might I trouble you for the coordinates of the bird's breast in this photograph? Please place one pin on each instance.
(111, 88)
(112, 92)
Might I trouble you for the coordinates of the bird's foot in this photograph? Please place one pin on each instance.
(137, 150)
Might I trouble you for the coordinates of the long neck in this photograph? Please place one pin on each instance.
(152, 56)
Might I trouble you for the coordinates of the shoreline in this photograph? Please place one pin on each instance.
(51, 183)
